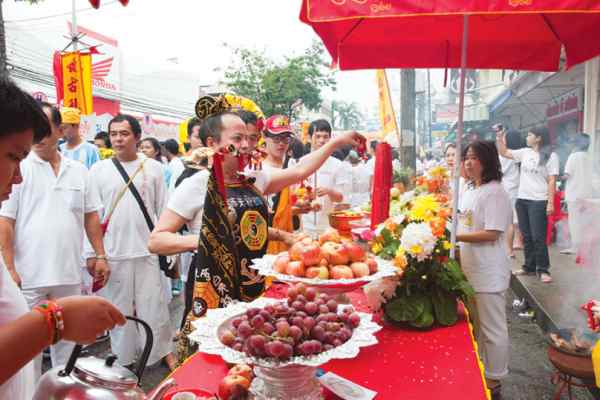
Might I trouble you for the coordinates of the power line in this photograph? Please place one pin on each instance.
(56, 15)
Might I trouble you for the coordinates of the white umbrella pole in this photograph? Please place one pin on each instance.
(459, 134)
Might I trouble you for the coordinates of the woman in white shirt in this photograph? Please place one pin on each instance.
(485, 214)
(510, 180)
(535, 199)
(23, 333)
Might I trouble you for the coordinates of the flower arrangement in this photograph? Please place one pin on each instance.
(416, 238)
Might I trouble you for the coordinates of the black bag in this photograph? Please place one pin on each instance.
(167, 264)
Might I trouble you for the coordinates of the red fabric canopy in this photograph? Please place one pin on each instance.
(508, 34)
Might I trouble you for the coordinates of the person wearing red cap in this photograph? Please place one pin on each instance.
(278, 134)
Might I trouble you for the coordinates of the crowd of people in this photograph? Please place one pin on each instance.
(93, 231)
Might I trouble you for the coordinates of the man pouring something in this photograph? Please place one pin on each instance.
(330, 181)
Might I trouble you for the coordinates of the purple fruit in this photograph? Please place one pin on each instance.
(295, 333)
(323, 309)
(311, 308)
(257, 321)
(251, 312)
(354, 319)
(268, 328)
(245, 330)
(332, 305)
(236, 322)
(298, 321)
(283, 328)
(309, 322)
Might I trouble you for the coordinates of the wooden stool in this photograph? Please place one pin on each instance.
(568, 369)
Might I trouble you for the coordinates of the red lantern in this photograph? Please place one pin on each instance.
(124, 2)
(95, 4)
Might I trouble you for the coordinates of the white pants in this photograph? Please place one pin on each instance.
(135, 287)
(488, 314)
(60, 352)
(575, 222)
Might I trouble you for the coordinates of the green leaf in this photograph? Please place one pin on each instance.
(405, 308)
(445, 307)
(425, 320)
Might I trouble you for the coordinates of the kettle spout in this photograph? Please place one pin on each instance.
(162, 389)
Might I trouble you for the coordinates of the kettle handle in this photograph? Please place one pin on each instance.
(143, 361)
(139, 371)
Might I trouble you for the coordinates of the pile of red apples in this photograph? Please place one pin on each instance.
(331, 257)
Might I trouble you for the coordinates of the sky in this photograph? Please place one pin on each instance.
(199, 34)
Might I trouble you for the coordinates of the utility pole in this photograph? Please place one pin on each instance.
(408, 150)
(74, 32)
(429, 110)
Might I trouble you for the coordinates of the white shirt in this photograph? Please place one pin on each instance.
(510, 176)
(128, 233)
(175, 167)
(333, 174)
(13, 305)
(188, 198)
(49, 213)
(533, 184)
(486, 264)
(361, 179)
(579, 169)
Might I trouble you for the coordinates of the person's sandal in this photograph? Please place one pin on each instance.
(522, 272)
(496, 392)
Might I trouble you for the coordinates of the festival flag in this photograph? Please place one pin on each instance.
(386, 110)
(77, 81)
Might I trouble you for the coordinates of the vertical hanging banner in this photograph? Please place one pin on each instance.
(77, 81)
(386, 110)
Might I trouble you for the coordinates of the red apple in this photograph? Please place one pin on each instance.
(242, 370)
(317, 272)
(360, 269)
(372, 265)
(295, 251)
(311, 254)
(233, 384)
(295, 268)
(281, 263)
(335, 253)
(355, 252)
(341, 272)
(306, 240)
(330, 235)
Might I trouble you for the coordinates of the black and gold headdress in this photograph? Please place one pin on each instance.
(207, 106)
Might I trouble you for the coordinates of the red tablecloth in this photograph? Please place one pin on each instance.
(438, 364)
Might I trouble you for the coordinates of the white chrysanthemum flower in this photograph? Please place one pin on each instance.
(407, 197)
(418, 240)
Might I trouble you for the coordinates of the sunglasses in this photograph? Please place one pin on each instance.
(280, 139)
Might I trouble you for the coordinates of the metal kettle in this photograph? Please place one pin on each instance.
(92, 378)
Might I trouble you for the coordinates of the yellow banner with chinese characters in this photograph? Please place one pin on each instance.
(77, 81)
(386, 110)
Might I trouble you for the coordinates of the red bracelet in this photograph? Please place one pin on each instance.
(53, 314)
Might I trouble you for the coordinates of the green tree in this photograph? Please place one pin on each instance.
(3, 69)
(276, 86)
(346, 115)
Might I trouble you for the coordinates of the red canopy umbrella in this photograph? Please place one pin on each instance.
(503, 34)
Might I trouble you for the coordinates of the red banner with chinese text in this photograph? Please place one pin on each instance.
(77, 81)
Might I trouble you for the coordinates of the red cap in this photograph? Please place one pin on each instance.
(278, 124)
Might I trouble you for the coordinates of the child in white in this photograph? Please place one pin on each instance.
(485, 214)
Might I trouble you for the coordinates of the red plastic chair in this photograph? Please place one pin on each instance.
(555, 217)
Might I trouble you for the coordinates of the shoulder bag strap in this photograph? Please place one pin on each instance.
(134, 192)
